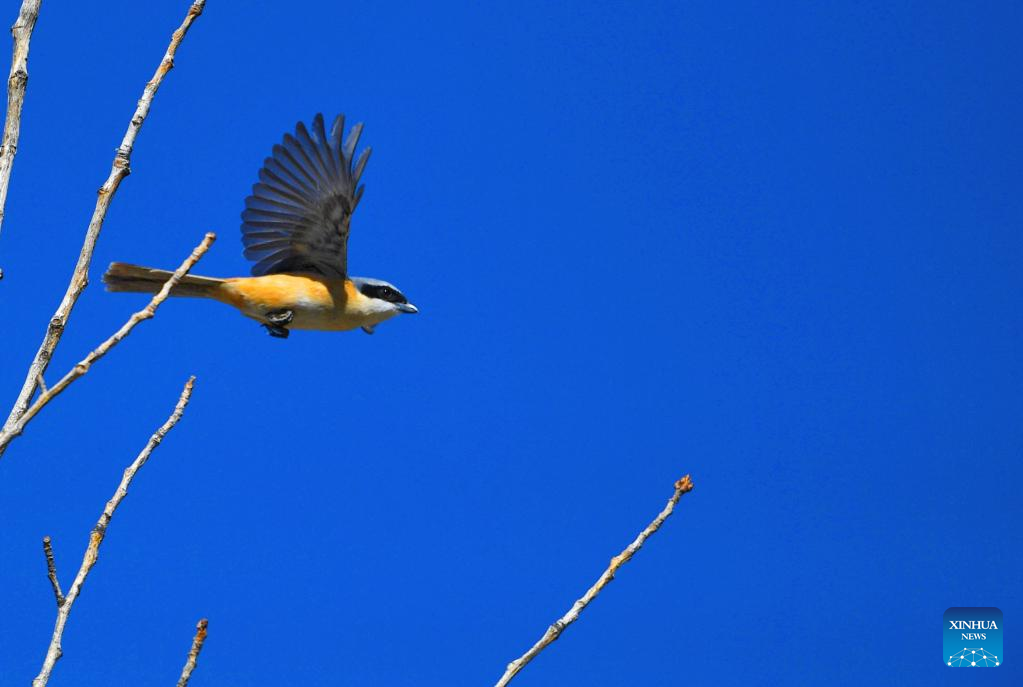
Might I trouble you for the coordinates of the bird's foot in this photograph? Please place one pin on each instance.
(280, 317)
(276, 331)
(276, 321)
(368, 328)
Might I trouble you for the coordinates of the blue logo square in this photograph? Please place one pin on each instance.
(972, 637)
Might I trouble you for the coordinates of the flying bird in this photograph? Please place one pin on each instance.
(295, 228)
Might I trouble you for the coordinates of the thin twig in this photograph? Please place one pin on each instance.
(51, 571)
(682, 486)
(16, 84)
(99, 531)
(8, 435)
(193, 654)
(80, 278)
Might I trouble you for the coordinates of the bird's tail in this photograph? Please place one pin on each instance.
(121, 276)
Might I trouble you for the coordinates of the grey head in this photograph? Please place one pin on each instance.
(385, 292)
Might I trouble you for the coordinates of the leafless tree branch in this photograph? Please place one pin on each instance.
(99, 531)
(51, 571)
(80, 278)
(193, 654)
(16, 84)
(8, 434)
(683, 486)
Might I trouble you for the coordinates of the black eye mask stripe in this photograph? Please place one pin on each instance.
(384, 293)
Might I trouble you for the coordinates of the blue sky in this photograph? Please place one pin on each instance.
(775, 247)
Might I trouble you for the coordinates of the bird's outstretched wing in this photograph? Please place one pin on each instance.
(297, 218)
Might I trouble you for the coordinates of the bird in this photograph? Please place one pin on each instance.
(295, 229)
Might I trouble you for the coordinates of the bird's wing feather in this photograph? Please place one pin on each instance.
(298, 215)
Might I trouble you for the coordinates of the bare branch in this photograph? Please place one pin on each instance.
(683, 486)
(17, 427)
(51, 571)
(80, 278)
(193, 654)
(16, 84)
(99, 531)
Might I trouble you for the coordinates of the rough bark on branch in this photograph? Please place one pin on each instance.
(16, 85)
(682, 486)
(193, 654)
(51, 571)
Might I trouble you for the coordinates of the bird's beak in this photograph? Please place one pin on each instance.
(407, 307)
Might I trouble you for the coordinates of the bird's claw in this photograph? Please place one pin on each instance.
(276, 331)
(280, 317)
(276, 321)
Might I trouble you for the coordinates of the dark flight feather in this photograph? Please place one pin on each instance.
(298, 216)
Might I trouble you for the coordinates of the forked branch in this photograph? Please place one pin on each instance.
(80, 278)
(79, 370)
(99, 532)
(683, 486)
